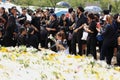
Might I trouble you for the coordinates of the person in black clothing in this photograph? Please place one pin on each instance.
(5, 17)
(22, 18)
(117, 20)
(2, 26)
(92, 33)
(71, 18)
(118, 53)
(35, 22)
(64, 22)
(78, 31)
(107, 49)
(10, 29)
(43, 32)
(22, 40)
(47, 14)
(32, 39)
(51, 28)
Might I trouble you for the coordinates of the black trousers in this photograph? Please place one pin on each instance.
(107, 51)
(8, 41)
(76, 38)
(118, 56)
(91, 46)
(52, 44)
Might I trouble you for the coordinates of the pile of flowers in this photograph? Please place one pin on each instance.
(21, 63)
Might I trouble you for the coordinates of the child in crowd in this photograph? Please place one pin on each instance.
(61, 43)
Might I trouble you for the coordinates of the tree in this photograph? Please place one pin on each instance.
(74, 3)
(54, 2)
(115, 6)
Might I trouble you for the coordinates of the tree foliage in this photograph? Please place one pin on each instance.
(74, 3)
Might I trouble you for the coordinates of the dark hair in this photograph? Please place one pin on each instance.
(48, 9)
(24, 9)
(51, 11)
(97, 17)
(27, 22)
(86, 13)
(14, 7)
(81, 8)
(116, 16)
(54, 15)
(21, 29)
(70, 10)
(91, 16)
(62, 15)
(3, 9)
(61, 34)
(30, 30)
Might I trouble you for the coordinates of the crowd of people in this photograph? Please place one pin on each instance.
(62, 33)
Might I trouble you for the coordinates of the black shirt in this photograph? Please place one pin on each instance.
(23, 19)
(53, 24)
(92, 27)
(36, 22)
(109, 33)
(81, 20)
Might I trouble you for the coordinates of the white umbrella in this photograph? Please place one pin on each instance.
(94, 9)
(63, 3)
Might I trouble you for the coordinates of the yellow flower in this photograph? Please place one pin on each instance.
(4, 49)
(78, 57)
(117, 68)
(53, 55)
(1, 66)
(111, 77)
(69, 56)
(13, 57)
(24, 52)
